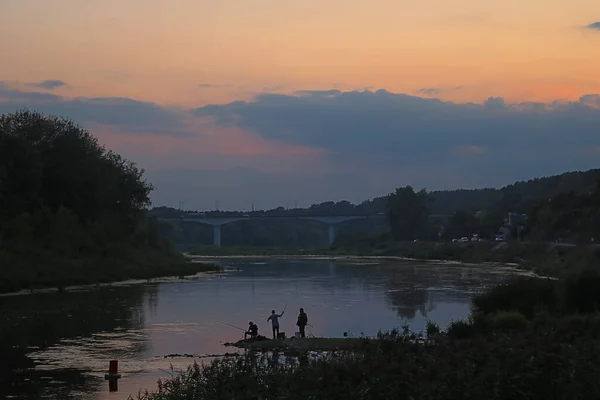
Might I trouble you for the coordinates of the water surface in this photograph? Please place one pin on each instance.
(58, 345)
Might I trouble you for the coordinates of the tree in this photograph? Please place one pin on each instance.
(462, 223)
(408, 213)
(51, 162)
(71, 211)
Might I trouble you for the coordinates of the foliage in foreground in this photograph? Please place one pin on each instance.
(529, 338)
(577, 292)
(71, 212)
(536, 362)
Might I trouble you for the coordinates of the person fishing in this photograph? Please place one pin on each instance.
(302, 322)
(274, 318)
(252, 330)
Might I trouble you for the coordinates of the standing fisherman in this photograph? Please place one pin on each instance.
(274, 318)
(302, 322)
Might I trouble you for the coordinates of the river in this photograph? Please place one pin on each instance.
(58, 345)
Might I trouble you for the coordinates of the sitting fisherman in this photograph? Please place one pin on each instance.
(252, 330)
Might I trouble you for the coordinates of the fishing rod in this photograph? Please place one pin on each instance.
(284, 308)
(233, 326)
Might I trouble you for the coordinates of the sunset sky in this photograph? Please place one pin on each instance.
(308, 101)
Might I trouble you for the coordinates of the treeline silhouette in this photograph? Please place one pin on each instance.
(71, 211)
(435, 215)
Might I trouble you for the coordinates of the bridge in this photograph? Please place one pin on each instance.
(330, 220)
(217, 222)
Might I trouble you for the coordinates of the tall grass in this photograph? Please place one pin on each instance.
(533, 363)
(526, 339)
(577, 292)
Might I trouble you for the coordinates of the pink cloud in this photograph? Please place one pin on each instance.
(468, 150)
(207, 146)
(588, 151)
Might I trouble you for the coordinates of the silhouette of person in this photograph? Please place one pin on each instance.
(274, 318)
(302, 322)
(252, 330)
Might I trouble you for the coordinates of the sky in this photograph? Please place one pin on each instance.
(282, 102)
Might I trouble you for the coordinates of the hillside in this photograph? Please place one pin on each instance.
(518, 197)
(510, 198)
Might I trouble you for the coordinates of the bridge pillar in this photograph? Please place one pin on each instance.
(217, 235)
(331, 234)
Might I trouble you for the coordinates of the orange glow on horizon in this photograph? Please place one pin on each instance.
(152, 51)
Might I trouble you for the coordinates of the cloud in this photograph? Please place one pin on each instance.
(324, 93)
(333, 144)
(49, 84)
(237, 188)
(489, 142)
(592, 100)
(273, 88)
(429, 91)
(210, 86)
(112, 75)
(594, 26)
(435, 91)
(469, 150)
(131, 115)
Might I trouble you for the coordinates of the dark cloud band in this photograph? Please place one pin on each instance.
(594, 26)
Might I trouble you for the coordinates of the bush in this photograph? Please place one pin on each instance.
(509, 320)
(576, 293)
(583, 323)
(431, 328)
(580, 291)
(460, 329)
(525, 295)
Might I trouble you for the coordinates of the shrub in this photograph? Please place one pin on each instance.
(431, 328)
(460, 329)
(509, 320)
(580, 291)
(525, 295)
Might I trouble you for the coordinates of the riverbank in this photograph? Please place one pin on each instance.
(536, 258)
(108, 275)
(188, 276)
(487, 251)
(306, 344)
(285, 256)
(512, 268)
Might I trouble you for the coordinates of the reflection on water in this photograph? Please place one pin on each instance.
(35, 323)
(59, 345)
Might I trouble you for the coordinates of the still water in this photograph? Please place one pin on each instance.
(59, 345)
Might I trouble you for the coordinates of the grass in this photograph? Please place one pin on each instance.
(537, 362)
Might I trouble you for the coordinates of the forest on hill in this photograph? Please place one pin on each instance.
(450, 213)
(71, 211)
